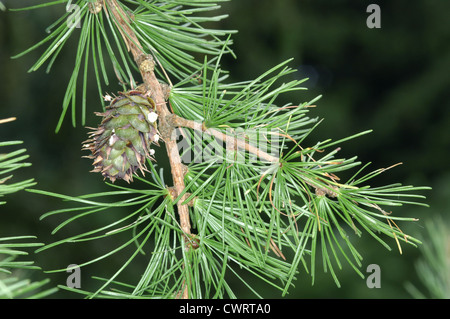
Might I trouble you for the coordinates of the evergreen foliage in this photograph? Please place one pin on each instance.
(12, 285)
(247, 193)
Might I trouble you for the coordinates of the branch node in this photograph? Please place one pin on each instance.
(95, 7)
(321, 191)
(174, 194)
(146, 63)
(166, 88)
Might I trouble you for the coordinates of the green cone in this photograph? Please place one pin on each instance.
(121, 144)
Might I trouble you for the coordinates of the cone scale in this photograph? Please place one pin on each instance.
(122, 142)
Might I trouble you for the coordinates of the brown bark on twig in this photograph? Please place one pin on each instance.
(182, 122)
(145, 63)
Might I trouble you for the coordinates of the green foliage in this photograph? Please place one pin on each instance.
(248, 215)
(433, 267)
(11, 284)
(170, 31)
(270, 218)
(10, 162)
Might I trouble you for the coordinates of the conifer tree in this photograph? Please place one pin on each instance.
(245, 194)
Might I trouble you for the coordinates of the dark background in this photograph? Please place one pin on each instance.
(394, 80)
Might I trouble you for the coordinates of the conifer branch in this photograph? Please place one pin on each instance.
(154, 88)
(178, 121)
(290, 201)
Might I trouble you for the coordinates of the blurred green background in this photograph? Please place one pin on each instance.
(394, 80)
